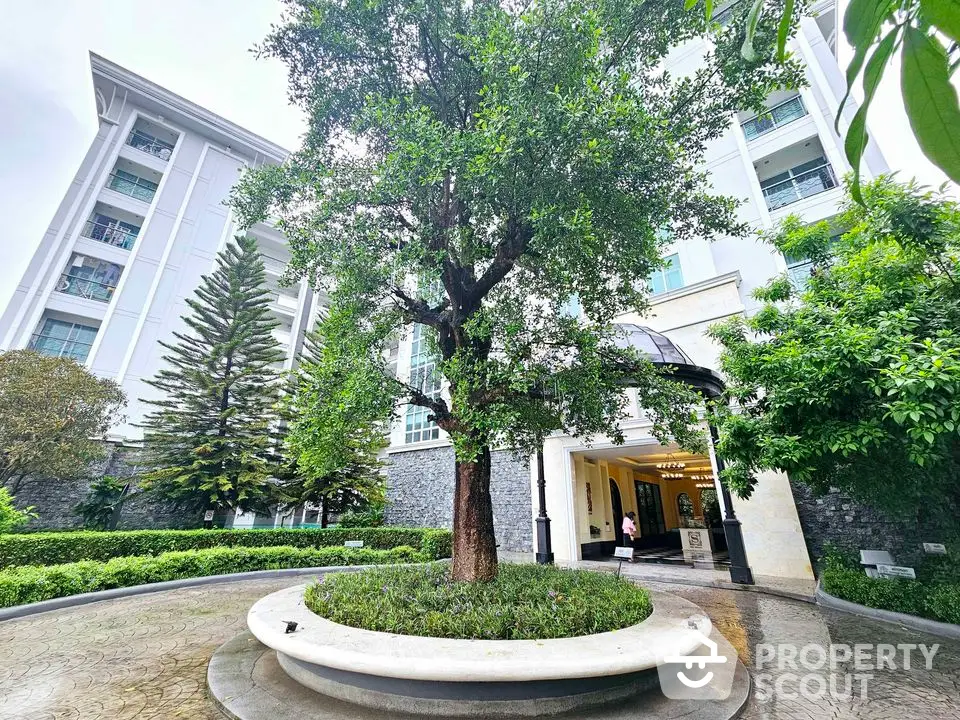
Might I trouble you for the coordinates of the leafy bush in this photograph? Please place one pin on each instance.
(66, 547)
(10, 517)
(523, 602)
(372, 517)
(105, 498)
(35, 583)
(937, 601)
(437, 544)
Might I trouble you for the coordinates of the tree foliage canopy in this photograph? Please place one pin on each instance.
(335, 430)
(506, 157)
(472, 166)
(853, 381)
(54, 415)
(208, 436)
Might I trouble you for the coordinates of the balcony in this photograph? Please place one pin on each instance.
(111, 232)
(776, 117)
(147, 143)
(126, 183)
(63, 338)
(85, 288)
(798, 185)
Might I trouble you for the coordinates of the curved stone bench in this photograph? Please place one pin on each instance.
(462, 678)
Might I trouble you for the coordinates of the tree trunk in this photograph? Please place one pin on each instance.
(474, 543)
(324, 514)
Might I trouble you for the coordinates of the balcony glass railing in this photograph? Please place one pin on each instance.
(150, 144)
(777, 116)
(110, 234)
(135, 187)
(59, 347)
(803, 185)
(85, 288)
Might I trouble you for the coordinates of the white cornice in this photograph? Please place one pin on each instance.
(716, 281)
(102, 67)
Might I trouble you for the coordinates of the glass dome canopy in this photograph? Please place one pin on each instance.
(662, 351)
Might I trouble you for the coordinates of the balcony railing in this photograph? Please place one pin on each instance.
(799, 187)
(59, 347)
(139, 188)
(150, 145)
(110, 234)
(85, 288)
(777, 116)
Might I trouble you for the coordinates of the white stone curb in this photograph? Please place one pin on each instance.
(318, 641)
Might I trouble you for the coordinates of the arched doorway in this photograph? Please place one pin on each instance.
(617, 511)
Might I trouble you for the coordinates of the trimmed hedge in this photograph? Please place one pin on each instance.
(936, 601)
(51, 548)
(34, 583)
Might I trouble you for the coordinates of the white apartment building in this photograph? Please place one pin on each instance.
(787, 162)
(143, 219)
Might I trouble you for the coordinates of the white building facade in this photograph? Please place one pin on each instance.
(142, 221)
(790, 161)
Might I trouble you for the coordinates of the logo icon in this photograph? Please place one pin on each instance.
(703, 666)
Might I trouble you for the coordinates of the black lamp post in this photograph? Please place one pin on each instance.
(544, 548)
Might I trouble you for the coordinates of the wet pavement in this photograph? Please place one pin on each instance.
(146, 656)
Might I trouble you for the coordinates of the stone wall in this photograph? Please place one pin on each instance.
(838, 519)
(420, 493)
(54, 499)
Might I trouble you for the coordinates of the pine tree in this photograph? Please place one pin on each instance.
(209, 436)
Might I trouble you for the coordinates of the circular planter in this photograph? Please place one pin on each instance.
(473, 678)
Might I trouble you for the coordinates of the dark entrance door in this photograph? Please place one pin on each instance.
(650, 521)
(617, 511)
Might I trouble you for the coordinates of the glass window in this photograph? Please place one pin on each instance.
(59, 338)
(424, 376)
(666, 278)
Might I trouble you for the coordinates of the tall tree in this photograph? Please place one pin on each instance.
(334, 431)
(54, 415)
(470, 166)
(209, 435)
(851, 380)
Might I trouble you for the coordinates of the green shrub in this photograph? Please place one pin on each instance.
(66, 547)
(34, 583)
(523, 602)
(943, 603)
(372, 517)
(937, 601)
(437, 544)
(10, 517)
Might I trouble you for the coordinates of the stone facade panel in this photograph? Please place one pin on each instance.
(420, 493)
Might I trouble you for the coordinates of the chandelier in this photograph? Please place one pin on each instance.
(671, 465)
(672, 476)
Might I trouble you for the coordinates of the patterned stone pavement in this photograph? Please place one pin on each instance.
(145, 657)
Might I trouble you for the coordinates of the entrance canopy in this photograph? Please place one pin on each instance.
(662, 351)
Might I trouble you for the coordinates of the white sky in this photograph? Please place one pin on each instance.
(198, 49)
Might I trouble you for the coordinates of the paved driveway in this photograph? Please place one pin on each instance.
(146, 656)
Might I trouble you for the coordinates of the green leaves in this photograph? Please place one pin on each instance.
(944, 14)
(856, 140)
(753, 20)
(855, 383)
(931, 100)
(783, 30)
